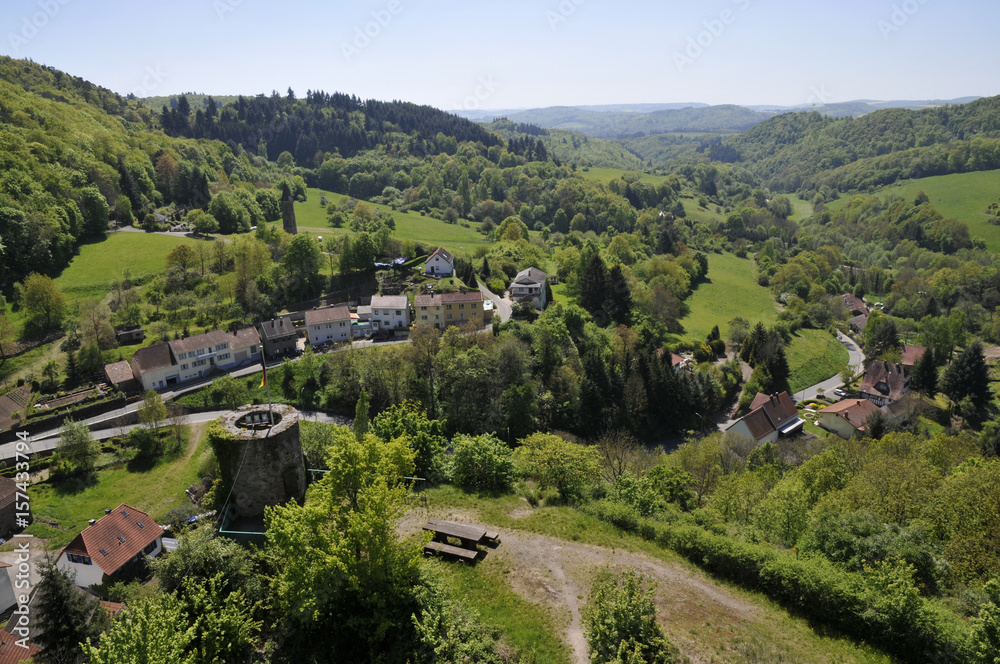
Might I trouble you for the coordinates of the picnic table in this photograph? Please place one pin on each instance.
(469, 536)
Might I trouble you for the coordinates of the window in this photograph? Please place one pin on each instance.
(121, 539)
(149, 547)
(449, 316)
(139, 523)
(424, 317)
(423, 308)
(399, 313)
(182, 356)
(448, 307)
(461, 306)
(436, 317)
(184, 367)
(124, 514)
(103, 552)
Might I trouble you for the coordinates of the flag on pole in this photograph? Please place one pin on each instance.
(263, 379)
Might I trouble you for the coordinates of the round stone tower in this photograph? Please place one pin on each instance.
(262, 459)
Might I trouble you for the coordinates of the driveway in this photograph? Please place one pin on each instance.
(503, 308)
(857, 360)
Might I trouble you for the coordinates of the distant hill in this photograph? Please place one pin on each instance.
(197, 101)
(572, 147)
(811, 150)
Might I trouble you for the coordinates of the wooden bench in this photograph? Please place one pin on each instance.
(442, 549)
(492, 537)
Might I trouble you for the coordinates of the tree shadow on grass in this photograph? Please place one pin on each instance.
(74, 484)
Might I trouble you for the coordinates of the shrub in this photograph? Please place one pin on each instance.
(620, 623)
(481, 463)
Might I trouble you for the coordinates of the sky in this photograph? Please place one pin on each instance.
(491, 54)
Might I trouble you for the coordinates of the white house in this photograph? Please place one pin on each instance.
(770, 416)
(440, 263)
(176, 362)
(390, 311)
(328, 325)
(118, 539)
(846, 418)
(528, 287)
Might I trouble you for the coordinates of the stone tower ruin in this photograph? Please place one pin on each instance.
(263, 460)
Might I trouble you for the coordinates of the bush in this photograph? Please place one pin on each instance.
(481, 463)
(854, 604)
(621, 626)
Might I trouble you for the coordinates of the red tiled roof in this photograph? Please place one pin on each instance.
(757, 422)
(780, 410)
(11, 653)
(328, 315)
(113, 608)
(759, 401)
(769, 413)
(119, 372)
(855, 411)
(911, 354)
(854, 303)
(438, 299)
(116, 538)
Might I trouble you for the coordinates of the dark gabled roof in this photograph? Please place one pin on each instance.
(531, 275)
(8, 489)
(854, 303)
(248, 336)
(116, 538)
(328, 315)
(153, 357)
(440, 251)
(770, 413)
(281, 326)
(888, 380)
(780, 410)
(757, 422)
(859, 322)
(119, 372)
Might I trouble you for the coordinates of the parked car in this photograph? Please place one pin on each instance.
(840, 393)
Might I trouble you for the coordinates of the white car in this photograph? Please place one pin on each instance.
(840, 393)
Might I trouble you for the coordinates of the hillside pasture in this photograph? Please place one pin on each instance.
(731, 290)
(813, 356)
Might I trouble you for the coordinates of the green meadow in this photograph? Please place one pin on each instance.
(813, 356)
(311, 218)
(90, 273)
(731, 290)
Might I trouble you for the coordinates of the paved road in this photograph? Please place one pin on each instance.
(503, 308)
(857, 360)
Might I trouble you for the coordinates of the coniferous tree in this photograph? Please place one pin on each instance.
(968, 378)
(65, 616)
(620, 295)
(594, 284)
(925, 374)
(361, 420)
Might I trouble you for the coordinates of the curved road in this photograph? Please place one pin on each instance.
(502, 305)
(857, 360)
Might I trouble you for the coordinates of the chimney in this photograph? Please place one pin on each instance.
(92, 521)
(107, 510)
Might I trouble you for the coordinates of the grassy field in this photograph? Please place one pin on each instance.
(962, 196)
(154, 490)
(98, 263)
(605, 175)
(731, 291)
(311, 218)
(814, 356)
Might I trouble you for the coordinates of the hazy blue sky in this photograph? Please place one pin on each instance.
(521, 53)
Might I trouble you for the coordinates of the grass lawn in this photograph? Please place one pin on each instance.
(814, 356)
(155, 490)
(90, 273)
(730, 291)
(605, 175)
(311, 218)
(527, 626)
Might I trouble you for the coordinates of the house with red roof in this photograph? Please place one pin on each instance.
(13, 652)
(770, 416)
(911, 354)
(847, 417)
(885, 382)
(119, 539)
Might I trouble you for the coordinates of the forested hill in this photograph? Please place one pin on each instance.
(321, 123)
(50, 83)
(792, 150)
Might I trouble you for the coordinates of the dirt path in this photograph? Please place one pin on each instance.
(559, 574)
